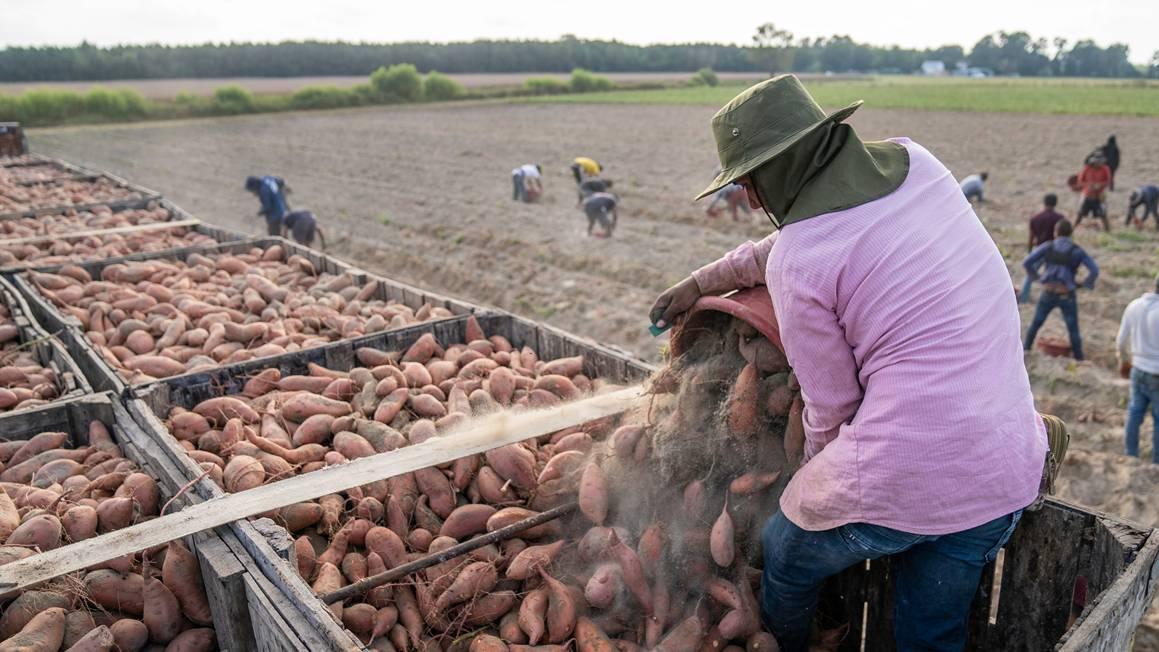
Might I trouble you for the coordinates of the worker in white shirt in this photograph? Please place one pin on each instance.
(1138, 345)
(528, 183)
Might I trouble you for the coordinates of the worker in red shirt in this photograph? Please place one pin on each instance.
(1094, 180)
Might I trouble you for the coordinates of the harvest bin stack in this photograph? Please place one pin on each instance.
(259, 600)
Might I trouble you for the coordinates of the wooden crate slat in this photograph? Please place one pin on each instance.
(49, 350)
(221, 575)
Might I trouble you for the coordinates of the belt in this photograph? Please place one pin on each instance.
(1057, 288)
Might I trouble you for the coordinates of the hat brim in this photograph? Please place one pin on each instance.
(732, 174)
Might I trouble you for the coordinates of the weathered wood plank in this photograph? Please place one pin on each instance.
(1110, 625)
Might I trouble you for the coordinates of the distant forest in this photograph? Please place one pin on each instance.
(773, 50)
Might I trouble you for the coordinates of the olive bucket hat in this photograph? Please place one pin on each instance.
(762, 122)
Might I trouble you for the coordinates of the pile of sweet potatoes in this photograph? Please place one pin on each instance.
(159, 318)
(24, 382)
(72, 221)
(603, 579)
(40, 172)
(15, 198)
(86, 248)
(52, 495)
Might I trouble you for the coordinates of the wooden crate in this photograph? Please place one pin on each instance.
(139, 194)
(224, 575)
(49, 351)
(103, 377)
(12, 139)
(1051, 548)
(176, 214)
(271, 546)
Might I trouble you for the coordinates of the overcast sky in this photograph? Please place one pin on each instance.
(910, 23)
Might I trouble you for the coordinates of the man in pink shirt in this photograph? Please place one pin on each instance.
(897, 315)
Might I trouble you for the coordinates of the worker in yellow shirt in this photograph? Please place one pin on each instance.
(583, 167)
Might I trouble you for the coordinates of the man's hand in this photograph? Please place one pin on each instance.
(674, 301)
(1125, 369)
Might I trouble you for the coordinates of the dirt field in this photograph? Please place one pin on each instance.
(168, 88)
(423, 194)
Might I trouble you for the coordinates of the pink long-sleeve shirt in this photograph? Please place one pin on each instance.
(901, 325)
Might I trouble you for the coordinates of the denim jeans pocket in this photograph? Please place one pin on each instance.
(1006, 534)
(875, 540)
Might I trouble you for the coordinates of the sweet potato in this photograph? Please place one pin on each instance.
(722, 542)
(527, 563)
(314, 429)
(514, 463)
(9, 516)
(684, 636)
(650, 548)
(25, 607)
(466, 521)
(561, 465)
(532, 611)
(633, 571)
(562, 610)
(509, 515)
(116, 591)
(40, 532)
(44, 633)
(437, 488)
(305, 557)
(76, 625)
(408, 613)
(129, 635)
(593, 494)
(752, 482)
(327, 580)
(162, 613)
(359, 618)
(243, 472)
(603, 587)
(744, 408)
(40, 443)
(487, 643)
(387, 545)
(198, 639)
(220, 409)
(301, 405)
(475, 579)
(762, 642)
(79, 522)
(142, 489)
(181, 573)
(564, 367)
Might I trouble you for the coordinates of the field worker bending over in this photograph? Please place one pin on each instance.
(601, 207)
(1138, 348)
(271, 191)
(1148, 197)
(528, 183)
(973, 187)
(735, 197)
(1093, 181)
(1055, 265)
(895, 311)
(583, 167)
(303, 226)
(590, 186)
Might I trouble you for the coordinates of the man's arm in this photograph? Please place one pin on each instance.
(1123, 340)
(821, 358)
(1030, 240)
(321, 237)
(1034, 259)
(1092, 271)
(743, 267)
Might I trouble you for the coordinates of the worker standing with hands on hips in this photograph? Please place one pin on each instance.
(895, 310)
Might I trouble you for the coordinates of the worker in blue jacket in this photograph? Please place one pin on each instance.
(271, 191)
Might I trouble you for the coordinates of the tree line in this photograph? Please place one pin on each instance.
(772, 50)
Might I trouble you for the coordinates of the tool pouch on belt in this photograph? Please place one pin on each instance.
(1058, 438)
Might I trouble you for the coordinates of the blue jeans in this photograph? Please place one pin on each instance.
(520, 191)
(936, 577)
(1144, 395)
(1069, 306)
